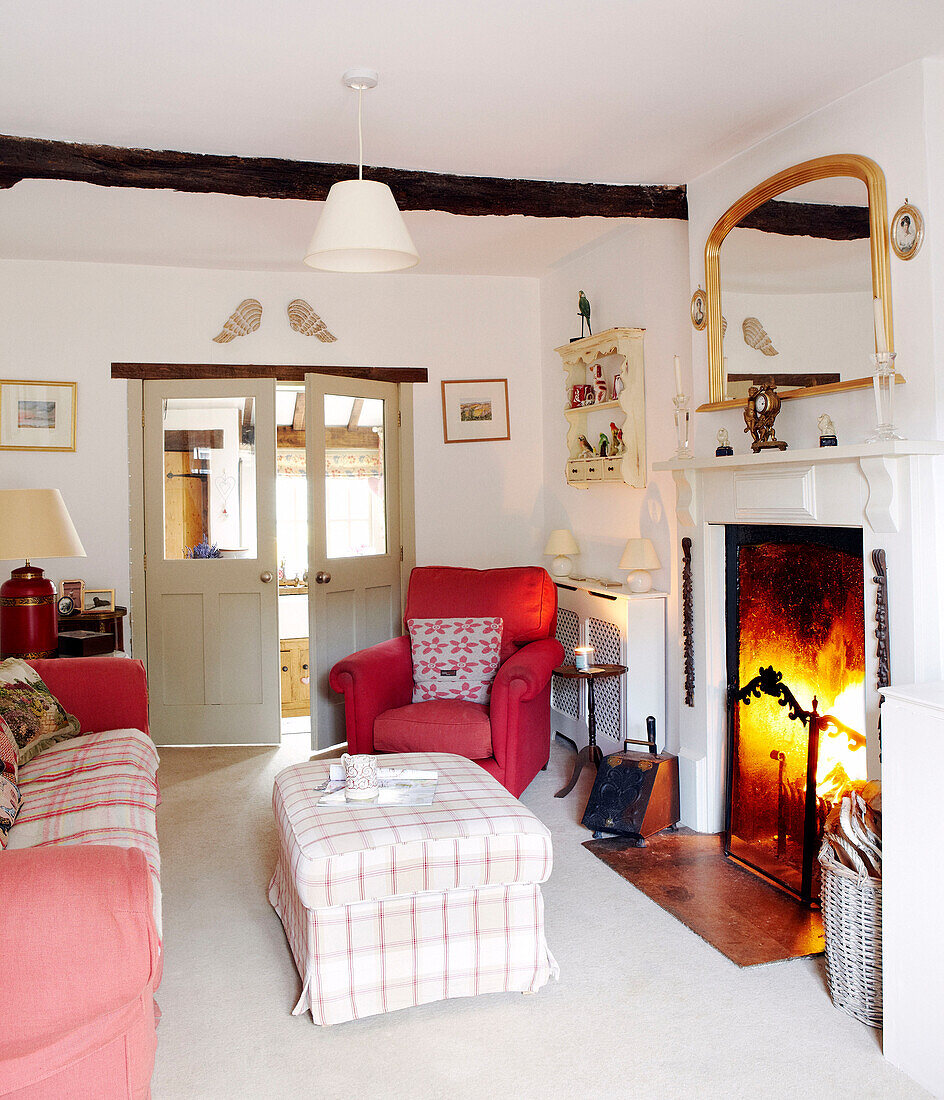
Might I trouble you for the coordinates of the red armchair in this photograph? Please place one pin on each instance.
(377, 683)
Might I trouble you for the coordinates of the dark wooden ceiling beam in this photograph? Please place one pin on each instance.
(809, 219)
(272, 178)
(151, 371)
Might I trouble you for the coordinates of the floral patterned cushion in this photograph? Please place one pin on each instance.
(31, 710)
(9, 806)
(454, 658)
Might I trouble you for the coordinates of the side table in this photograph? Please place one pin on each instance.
(590, 755)
(109, 623)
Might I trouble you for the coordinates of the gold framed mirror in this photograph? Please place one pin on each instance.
(805, 253)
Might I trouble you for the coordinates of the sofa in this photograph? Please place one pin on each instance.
(80, 897)
(515, 724)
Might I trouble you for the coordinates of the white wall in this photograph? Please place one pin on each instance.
(634, 277)
(885, 120)
(477, 504)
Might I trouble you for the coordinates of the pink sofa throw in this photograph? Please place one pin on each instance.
(454, 658)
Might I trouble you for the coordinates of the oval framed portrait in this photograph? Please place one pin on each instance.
(907, 231)
(699, 309)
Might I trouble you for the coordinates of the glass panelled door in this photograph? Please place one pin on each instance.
(352, 440)
(211, 593)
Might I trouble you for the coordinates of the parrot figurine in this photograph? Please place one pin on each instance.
(617, 434)
(583, 308)
(604, 444)
(585, 447)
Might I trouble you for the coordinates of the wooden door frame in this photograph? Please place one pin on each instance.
(404, 377)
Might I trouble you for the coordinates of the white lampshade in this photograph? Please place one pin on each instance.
(361, 229)
(34, 523)
(639, 557)
(561, 543)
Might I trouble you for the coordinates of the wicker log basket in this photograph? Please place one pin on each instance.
(851, 898)
(852, 921)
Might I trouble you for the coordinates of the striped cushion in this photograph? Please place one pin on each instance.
(100, 788)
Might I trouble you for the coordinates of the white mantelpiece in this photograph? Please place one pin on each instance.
(886, 489)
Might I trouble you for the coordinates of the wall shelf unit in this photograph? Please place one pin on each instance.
(620, 353)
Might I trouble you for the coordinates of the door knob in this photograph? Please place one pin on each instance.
(321, 577)
(265, 576)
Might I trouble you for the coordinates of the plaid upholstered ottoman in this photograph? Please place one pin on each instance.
(386, 907)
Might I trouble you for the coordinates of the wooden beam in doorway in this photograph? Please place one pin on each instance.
(274, 178)
(356, 409)
(346, 439)
(298, 420)
(185, 439)
(287, 439)
(150, 372)
(336, 439)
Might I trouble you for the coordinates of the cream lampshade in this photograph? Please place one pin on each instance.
(34, 523)
(361, 227)
(561, 543)
(638, 558)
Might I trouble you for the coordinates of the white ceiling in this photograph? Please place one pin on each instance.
(633, 91)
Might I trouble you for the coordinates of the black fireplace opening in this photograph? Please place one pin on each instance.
(796, 693)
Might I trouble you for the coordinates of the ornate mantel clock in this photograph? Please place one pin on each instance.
(761, 410)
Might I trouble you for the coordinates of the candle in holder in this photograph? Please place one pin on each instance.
(678, 377)
(583, 657)
(881, 337)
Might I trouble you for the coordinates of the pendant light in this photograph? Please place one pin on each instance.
(361, 227)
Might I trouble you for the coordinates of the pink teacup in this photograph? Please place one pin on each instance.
(360, 776)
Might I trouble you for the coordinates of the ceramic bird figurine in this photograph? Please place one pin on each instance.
(583, 308)
(617, 435)
(604, 444)
(585, 448)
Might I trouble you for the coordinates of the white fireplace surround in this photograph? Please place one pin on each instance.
(888, 490)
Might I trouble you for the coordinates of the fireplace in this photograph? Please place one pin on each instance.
(796, 693)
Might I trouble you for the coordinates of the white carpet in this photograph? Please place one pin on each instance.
(644, 1008)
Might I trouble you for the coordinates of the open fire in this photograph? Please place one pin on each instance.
(796, 661)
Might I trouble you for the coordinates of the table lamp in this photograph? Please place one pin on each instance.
(34, 523)
(561, 543)
(639, 557)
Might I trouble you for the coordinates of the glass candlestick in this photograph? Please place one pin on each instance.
(883, 382)
(682, 420)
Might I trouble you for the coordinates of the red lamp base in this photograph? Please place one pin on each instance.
(29, 624)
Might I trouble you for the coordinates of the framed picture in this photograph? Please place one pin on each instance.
(98, 599)
(699, 309)
(75, 590)
(475, 410)
(37, 416)
(907, 231)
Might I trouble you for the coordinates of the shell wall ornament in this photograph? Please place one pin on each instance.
(245, 318)
(756, 337)
(306, 322)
